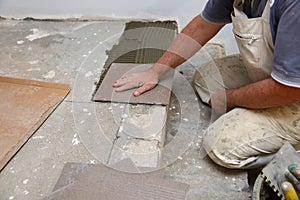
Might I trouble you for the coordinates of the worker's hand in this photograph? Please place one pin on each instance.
(144, 81)
(220, 102)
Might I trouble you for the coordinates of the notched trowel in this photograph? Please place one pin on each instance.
(275, 172)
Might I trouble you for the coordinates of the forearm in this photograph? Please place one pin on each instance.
(187, 43)
(263, 94)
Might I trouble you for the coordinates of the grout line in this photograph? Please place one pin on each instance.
(117, 134)
(112, 147)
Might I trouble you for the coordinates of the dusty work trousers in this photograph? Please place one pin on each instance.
(244, 138)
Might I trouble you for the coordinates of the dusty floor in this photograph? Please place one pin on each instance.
(74, 52)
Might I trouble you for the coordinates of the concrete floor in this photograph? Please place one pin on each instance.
(79, 130)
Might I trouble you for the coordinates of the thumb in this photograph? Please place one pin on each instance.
(146, 87)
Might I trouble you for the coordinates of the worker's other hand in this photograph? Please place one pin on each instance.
(143, 81)
(220, 102)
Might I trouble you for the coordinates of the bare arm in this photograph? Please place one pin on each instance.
(195, 35)
(186, 44)
(263, 94)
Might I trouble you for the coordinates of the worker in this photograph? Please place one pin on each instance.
(257, 93)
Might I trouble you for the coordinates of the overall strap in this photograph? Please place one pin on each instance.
(238, 6)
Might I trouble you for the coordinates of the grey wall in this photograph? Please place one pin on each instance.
(182, 11)
(178, 9)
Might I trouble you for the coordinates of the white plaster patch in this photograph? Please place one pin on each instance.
(25, 181)
(33, 62)
(49, 75)
(37, 34)
(121, 129)
(92, 161)
(33, 69)
(20, 42)
(38, 137)
(75, 140)
(88, 74)
(125, 116)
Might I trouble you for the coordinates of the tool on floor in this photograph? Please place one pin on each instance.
(289, 191)
(275, 172)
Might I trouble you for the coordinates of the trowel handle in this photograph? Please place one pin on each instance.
(289, 191)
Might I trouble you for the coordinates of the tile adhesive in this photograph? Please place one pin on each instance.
(141, 43)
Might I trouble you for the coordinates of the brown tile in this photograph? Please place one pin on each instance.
(159, 95)
(101, 182)
(72, 171)
(24, 106)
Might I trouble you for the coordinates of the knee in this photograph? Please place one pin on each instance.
(223, 147)
(212, 148)
(220, 155)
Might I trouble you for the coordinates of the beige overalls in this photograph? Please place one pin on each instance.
(246, 138)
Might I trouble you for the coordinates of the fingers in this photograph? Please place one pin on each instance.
(120, 82)
(126, 84)
(144, 88)
(143, 81)
(124, 87)
(117, 83)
